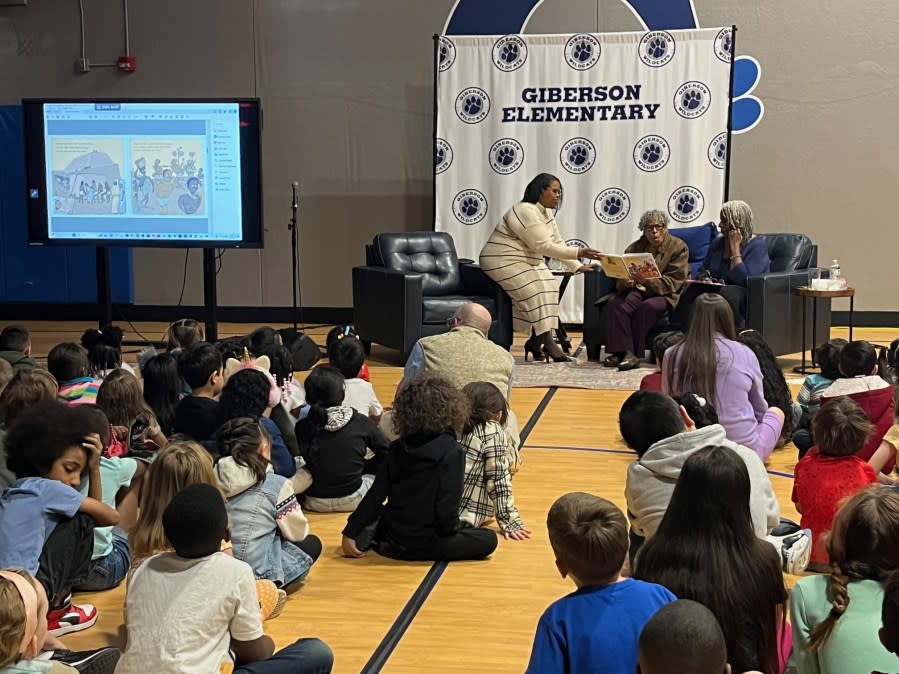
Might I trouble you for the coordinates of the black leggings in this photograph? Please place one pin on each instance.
(65, 559)
(470, 543)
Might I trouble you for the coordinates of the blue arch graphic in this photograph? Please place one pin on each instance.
(501, 17)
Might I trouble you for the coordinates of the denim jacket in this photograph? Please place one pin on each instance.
(265, 518)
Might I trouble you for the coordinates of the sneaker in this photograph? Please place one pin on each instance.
(70, 618)
(796, 551)
(271, 599)
(98, 661)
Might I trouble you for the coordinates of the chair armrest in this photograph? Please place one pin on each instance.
(476, 282)
(775, 310)
(387, 307)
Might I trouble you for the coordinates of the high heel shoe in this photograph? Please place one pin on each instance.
(534, 348)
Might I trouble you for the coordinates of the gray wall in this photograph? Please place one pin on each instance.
(346, 90)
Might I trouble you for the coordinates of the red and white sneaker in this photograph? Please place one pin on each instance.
(70, 618)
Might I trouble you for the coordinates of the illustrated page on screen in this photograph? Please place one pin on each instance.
(166, 171)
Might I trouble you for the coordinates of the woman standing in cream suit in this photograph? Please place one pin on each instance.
(513, 257)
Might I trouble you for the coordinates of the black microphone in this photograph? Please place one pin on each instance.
(296, 197)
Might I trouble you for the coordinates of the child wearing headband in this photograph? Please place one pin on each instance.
(23, 605)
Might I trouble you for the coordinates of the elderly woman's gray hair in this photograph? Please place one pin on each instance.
(653, 216)
(739, 215)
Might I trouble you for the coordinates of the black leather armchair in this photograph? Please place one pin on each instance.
(772, 306)
(412, 283)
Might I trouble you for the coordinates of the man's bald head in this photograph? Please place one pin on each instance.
(474, 315)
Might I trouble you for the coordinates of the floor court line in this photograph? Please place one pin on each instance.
(397, 630)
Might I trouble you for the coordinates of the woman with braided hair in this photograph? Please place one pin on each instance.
(836, 618)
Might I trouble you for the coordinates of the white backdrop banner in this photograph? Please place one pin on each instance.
(627, 121)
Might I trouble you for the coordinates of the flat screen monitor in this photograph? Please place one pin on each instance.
(176, 173)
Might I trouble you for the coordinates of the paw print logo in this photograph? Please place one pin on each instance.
(656, 48)
(470, 206)
(686, 204)
(724, 44)
(578, 155)
(717, 151)
(582, 51)
(692, 99)
(446, 53)
(472, 105)
(443, 156)
(651, 153)
(505, 156)
(509, 53)
(612, 205)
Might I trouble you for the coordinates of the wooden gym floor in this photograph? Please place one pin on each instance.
(403, 617)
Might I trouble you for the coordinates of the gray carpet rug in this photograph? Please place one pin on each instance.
(580, 373)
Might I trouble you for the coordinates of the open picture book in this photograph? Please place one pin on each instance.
(630, 265)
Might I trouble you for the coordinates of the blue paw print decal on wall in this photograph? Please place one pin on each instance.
(502, 17)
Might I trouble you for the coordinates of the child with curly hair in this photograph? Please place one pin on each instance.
(421, 482)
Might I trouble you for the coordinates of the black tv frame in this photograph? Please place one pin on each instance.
(251, 176)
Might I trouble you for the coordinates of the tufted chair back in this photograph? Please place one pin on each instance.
(431, 254)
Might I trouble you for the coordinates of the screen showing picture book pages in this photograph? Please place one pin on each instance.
(144, 172)
(630, 266)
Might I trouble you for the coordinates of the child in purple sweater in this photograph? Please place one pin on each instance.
(711, 363)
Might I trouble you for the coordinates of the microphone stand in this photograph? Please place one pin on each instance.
(292, 226)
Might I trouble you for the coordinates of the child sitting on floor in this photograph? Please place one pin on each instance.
(162, 389)
(23, 607)
(827, 355)
(836, 617)
(661, 343)
(774, 384)
(122, 401)
(186, 609)
(341, 332)
(347, 356)
(178, 465)
(597, 627)
(489, 461)
(46, 526)
(68, 363)
(683, 637)
(341, 447)
(269, 530)
(201, 367)
(831, 471)
(120, 478)
(15, 348)
(104, 350)
(421, 482)
(27, 388)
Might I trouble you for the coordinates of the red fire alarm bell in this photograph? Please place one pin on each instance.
(127, 64)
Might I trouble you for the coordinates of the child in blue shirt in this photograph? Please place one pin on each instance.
(827, 355)
(596, 628)
(46, 526)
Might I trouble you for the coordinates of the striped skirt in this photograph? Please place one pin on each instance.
(531, 287)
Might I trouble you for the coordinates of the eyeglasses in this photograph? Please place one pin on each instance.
(654, 228)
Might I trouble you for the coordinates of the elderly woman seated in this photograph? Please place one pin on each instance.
(640, 302)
